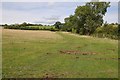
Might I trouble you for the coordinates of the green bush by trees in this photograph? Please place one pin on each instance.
(107, 31)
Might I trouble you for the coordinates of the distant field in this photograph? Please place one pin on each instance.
(38, 54)
(44, 27)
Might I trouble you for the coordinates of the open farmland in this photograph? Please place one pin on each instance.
(39, 54)
(43, 27)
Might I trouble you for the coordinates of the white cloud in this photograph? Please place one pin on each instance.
(56, 0)
(49, 13)
(112, 13)
(53, 17)
(35, 12)
(49, 20)
(111, 18)
(0, 13)
(51, 3)
(46, 0)
(17, 17)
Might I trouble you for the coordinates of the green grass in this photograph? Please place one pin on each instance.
(44, 27)
(25, 55)
(0, 62)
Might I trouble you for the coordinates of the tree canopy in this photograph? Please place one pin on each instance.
(87, 18)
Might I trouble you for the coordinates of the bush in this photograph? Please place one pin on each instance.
(54, 29)
(107, 31)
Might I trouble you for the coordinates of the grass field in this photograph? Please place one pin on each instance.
(38, 54)
(43, 27)
(0, 52)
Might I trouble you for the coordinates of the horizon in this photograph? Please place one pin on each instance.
(47, 13)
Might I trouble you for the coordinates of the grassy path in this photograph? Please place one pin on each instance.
(30, 54)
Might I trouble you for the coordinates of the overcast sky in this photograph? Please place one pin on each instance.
(46, 12)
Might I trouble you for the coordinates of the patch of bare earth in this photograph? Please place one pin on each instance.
(76, 52)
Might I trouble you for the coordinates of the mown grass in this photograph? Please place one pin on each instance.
(29, 54)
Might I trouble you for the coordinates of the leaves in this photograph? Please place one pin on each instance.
(87, 18)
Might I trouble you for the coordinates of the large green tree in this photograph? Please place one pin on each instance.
(58, 25)
(70, 23)
(88, 17)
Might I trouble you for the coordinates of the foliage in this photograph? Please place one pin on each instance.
(25, 26)
(87, 18)
(58, 25)
(108, 30)
(54, 29)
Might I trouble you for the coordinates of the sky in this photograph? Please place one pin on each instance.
(46, 13)
(56, 0)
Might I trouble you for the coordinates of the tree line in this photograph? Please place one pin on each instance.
(86, 20)
(28, 26)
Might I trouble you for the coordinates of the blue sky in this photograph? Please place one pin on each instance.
(46, 12)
